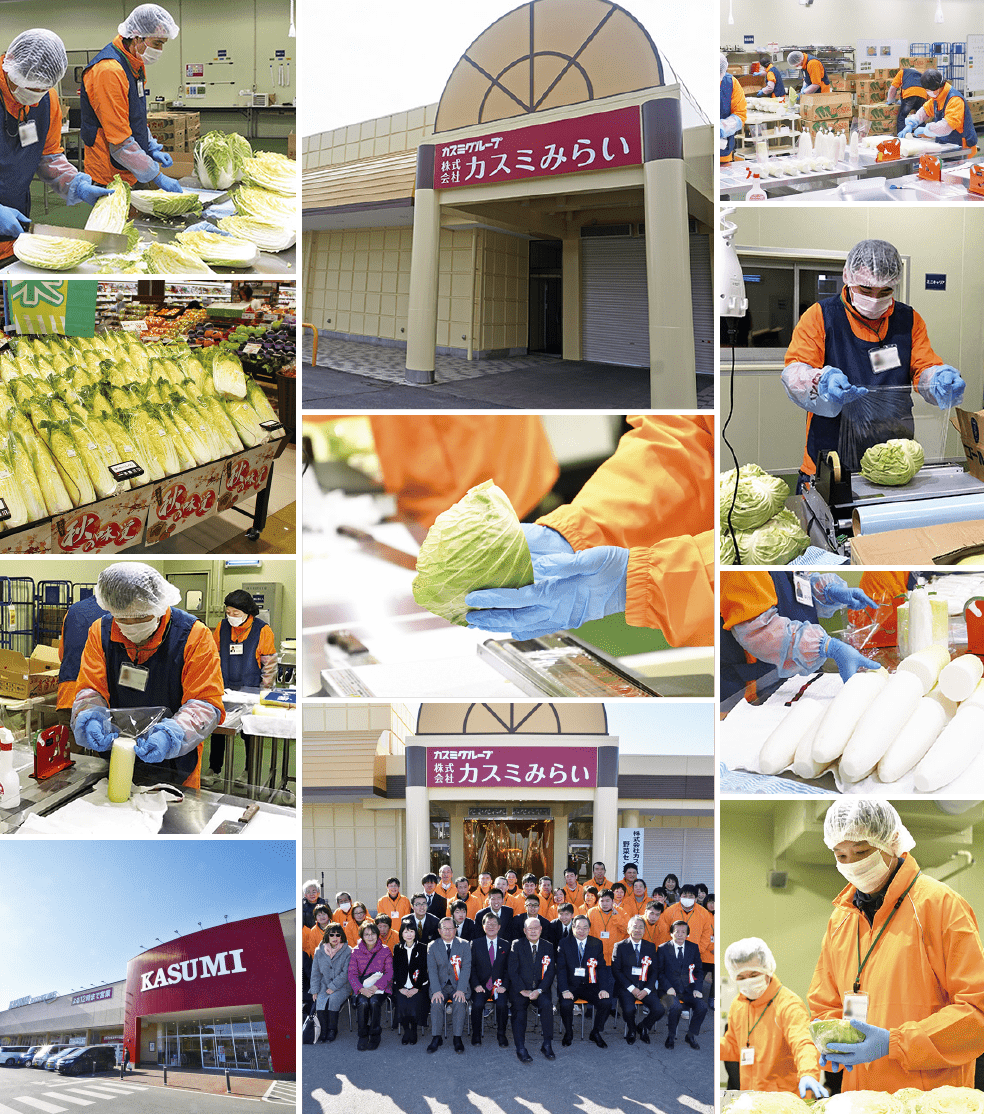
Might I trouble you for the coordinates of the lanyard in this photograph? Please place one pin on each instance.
(881, 932)
(748, 1038)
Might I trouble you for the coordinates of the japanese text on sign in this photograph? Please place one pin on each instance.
(542, 767)
(597, 142)
(92, 996)
(630, 849)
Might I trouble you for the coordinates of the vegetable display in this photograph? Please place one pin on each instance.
(477, 543)
(893, 462)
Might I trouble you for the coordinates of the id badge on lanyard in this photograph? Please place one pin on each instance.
(803, 588)
(746, 1057)
(236, 648)
(28, 132)
(133, 677)
(856, 1007)
(140, 89)
(884, 359)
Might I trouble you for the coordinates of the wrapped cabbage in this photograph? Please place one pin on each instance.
(768, 1102)
(776, 543)
(477, 543)
(833, 1030)
(950, 1100)
(760, 496)
(893, 462)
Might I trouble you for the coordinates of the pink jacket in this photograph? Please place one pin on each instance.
(365, 962)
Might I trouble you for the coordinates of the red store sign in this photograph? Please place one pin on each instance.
(523, 767)
(597, 142)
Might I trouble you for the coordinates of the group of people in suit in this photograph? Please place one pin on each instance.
(500, 951)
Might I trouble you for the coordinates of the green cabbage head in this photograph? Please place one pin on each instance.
(893, 462)
(834, 1030)
(760, 496)
(776, 543)
(477, 543)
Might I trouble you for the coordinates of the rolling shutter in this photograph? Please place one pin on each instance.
(614, 304)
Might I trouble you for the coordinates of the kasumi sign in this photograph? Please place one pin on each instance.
(205, 966)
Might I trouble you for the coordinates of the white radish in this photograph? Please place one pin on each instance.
(912, 743)
(927, 665)
(956, 747)
(976, 698)
(779, 749)
(803, 764)
(884, 718)
(842, 716)
(959, 679)
(920, 620)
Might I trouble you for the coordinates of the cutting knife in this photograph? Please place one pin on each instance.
(234, 827)
(104, 241)
(379, 549)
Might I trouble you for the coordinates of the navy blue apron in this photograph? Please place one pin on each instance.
(968, 137)
(90, 125)
(240, 670)
(727, 85)
(18, 164)
(780, 89)
(78, 620)
(911, 79)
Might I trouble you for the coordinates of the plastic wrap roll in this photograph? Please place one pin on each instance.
(879, 518)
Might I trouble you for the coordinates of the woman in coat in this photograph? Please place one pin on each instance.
(410, 981)
(371, 978)
(329, 979)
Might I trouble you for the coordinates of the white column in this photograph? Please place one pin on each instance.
(418, 834)
(425, 253)
(605, 834)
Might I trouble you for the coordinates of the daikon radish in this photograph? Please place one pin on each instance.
(927, 665)
(779, 749)
(920, 620)
(976, 698)
(912, 743)
(884, 718)
(843, 713)
(803, 764)
(956, 746)
(959, 679)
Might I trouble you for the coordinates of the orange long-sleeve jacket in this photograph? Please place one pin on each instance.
(814, 71)
(745, 595)
(784, 1049)
(924, 979)
(739, 107)
(311, 938)
(656, 497)
(613, 923)
(701, 927)
(108, 90)
(397, 909)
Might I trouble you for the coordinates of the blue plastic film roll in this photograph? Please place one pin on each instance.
(879, 518)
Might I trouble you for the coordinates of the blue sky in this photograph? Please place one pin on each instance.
(73, 913)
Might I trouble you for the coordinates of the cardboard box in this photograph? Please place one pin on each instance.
(826, 106)
(839, 82)
(871, 90)
(22, 677)
(184, 164)
(885, 75)
(970, 426)
(735, 70)
(918, 548)
(883, 117)
(924, 63)
(751, 81)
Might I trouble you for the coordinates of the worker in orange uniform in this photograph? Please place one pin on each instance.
(734, 113)
(862, 339)
(945, 117)
(114, 103)
(774, 86)
(394, 903)
(768, 1026)
(697, 918)
(311, 938)
(638, 538)
(75, 630)
(908, 91)
(770, 628)
(147, 653)
(572, 890)
(651, 932)
(607, 924)
(31, 144)
(902, 949)
(814, 73)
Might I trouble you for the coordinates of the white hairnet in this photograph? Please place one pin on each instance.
(873, 263)
(149, 21)
(36, 58)
(796, 58)
(750, 954)
(724, 65)
(864, 820)
(130, 589)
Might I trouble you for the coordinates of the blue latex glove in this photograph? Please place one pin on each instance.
(204, 226)
(160, 742)
(911, 123)
(846, 658)
(948, 387)
(543, 541)
(922, 133)
(835, 386)
(159, 155)
(81, 189)
(94, 729)
(873, 1047)
(808, 1083)
(166, 183)
(568, 590)
(845, 596)
(11, 221)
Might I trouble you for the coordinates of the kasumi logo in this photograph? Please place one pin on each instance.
(188, 970)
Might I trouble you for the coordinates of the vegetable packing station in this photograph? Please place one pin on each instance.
(853, 388)
(129, 419)
(162, 144)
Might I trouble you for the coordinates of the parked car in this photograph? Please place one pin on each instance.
(12, 1055)
(88, 1061)
(44, 1052)
(52, 1061)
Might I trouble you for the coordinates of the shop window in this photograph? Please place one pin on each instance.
(440, 838)
(496, 846)
(580, 830)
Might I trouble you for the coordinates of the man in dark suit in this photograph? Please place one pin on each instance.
(464, 926)
(427, 924)
(531, 973)
(532, 910)
(501, 910)
(563, 926)
(435, 903)
(583, 973)
(636, 981)
(449, 973)
(490, 979)
(680, 975)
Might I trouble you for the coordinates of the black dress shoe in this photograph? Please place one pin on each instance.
(568, 1040)
(406, 1039)
(459, 1044)
(503, 1041)
(435, 1044)
(644, 1035)
(374, 1041)
(670, 1042)
(363, 1044)
(630, 1037)
(524, 1056)
(598, 1039)
(476, 1039)
(547, 1049)
(692, 1041)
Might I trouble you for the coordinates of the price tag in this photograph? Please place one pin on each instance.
(270, 425)
(125, 470)
(252, 348)
(4, 511)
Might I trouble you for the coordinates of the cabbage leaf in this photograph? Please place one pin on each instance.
(760, 496)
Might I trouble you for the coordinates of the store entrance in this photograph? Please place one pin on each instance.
(498, 845)
(546, 328)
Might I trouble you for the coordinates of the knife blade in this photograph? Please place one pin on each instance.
(104, 241)
(234, 827)
(379, 549)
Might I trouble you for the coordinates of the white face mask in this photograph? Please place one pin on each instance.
(868, 874)
(139, 632)
(345, 906)
(235, 622)
(28, 96)
(870, 307)
(687, 902)
(754, 987)
(150, 56)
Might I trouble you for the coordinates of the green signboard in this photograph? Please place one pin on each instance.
(63, 306)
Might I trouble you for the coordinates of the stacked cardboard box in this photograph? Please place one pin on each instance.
(923, 63)
(883, 117)
(751, 82)
(825, 107)
(176, 131)
(838, 82)
(871, 90)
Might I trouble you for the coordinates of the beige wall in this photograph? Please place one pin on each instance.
(357, 848)
(767, 428)
(386, 135)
